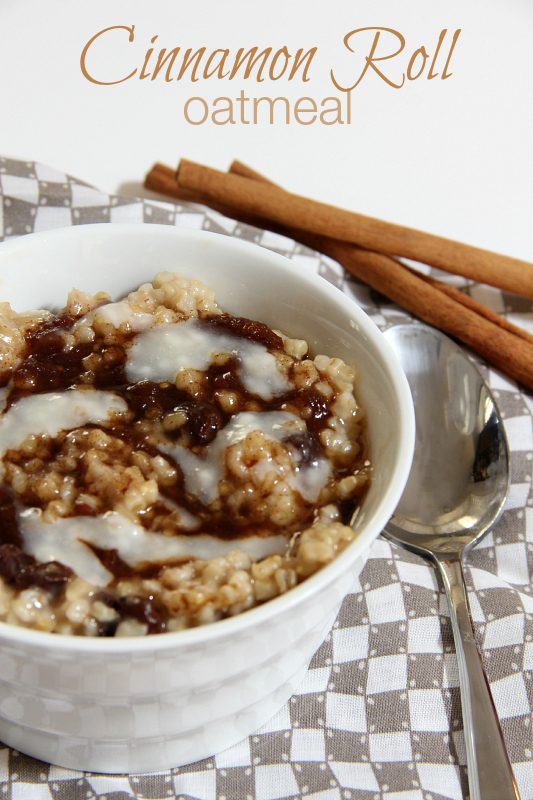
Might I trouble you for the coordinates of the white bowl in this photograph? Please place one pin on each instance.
(156, 702)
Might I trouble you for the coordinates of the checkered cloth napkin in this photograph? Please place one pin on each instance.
(378, 715)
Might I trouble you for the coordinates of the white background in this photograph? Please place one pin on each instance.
(451, 156)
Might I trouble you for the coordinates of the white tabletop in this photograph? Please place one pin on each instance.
(450, 156)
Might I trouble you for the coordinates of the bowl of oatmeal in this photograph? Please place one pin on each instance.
(199, 441)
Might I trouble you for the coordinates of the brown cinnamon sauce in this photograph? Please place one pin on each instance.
(49, 367)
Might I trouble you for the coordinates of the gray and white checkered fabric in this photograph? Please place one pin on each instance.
(378, 715)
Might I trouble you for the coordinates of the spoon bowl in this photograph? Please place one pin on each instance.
(460, 471)
(454, 495)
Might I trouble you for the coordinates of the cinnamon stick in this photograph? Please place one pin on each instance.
(162, 179)
(485, 332)
(270, 203)
(475, 305)
(238, 168)
(504, 345)
(508, 352)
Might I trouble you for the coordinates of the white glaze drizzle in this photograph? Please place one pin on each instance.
(202, 473)
(160, 353)
(157, 354)
(53, 412)
(116, 314)
(63, 540)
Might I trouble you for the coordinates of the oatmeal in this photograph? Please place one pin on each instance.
(165, 464)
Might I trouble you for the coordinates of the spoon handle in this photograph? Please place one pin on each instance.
(490, 776)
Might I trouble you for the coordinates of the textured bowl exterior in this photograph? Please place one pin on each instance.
(152, 703)
(139, 712)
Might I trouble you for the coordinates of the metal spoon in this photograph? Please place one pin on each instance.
(454, 495)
